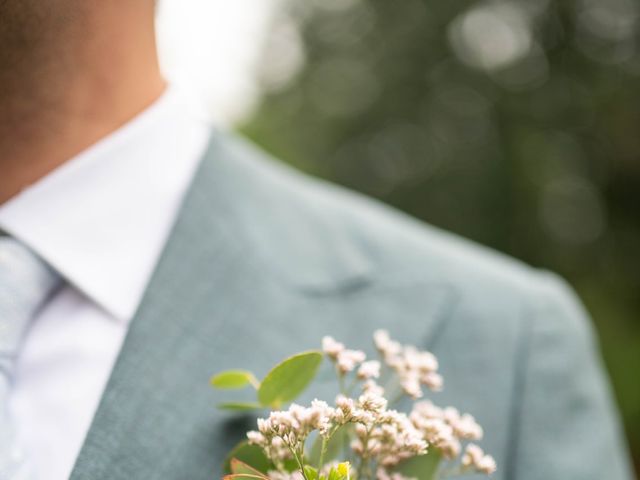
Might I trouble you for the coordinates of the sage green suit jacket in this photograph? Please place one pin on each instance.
(263, 261)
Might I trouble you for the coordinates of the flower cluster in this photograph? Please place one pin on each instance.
(381, 435)
(347, 360)
(474, 458)
(284, 475)
(284, 433)
(444, 428)
(414, 367)
(381, 438)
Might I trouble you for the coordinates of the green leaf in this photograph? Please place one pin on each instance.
(243, 476)
(240, 406)
(239, 467)
(251, 455)
(310, 472)
(343, 470)
(290, 465)
(234, 379)
(288, 379)
(423, 467)
(340, 472)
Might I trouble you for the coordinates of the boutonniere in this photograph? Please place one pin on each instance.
(360, 435)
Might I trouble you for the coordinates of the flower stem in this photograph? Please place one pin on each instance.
(299, 462)
(323, 451)
(364, 470)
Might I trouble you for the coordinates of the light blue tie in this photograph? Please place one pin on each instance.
(25, 283)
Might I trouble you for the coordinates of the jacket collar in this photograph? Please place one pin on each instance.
(70, 219)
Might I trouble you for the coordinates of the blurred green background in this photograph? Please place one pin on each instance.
(514, 123)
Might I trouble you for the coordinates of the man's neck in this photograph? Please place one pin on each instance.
(56, 102)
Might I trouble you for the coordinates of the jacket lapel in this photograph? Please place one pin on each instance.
(244, 280)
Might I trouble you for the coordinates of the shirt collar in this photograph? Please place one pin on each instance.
(102, 218)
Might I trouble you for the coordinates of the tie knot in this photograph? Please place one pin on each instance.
(25, 282)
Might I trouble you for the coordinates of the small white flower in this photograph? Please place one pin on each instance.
(368, 370)
(371, 386)
(345, 406)
(411, 386)
(433, 381)
(331, 347)
(445, 428)
(384, 343)
(363, 417)
(413, 367)
(447, 443)
(371, 402)
(486, 465)
(348, 360)
(256, 438)
(278, 475)
(357, 447)
(474, 457)
(383, 474)
(265, 427)
(466, 427)
(320, 416)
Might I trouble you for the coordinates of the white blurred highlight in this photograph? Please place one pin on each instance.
(491, 37)
(211, 48)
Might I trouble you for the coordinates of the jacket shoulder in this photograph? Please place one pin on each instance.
(346, 227)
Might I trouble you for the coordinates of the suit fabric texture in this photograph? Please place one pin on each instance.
(263, 261)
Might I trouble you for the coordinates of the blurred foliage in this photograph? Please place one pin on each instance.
(514, 123)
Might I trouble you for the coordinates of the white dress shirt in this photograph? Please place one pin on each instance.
(101, 220)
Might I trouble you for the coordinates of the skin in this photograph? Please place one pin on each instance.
(71, 72)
